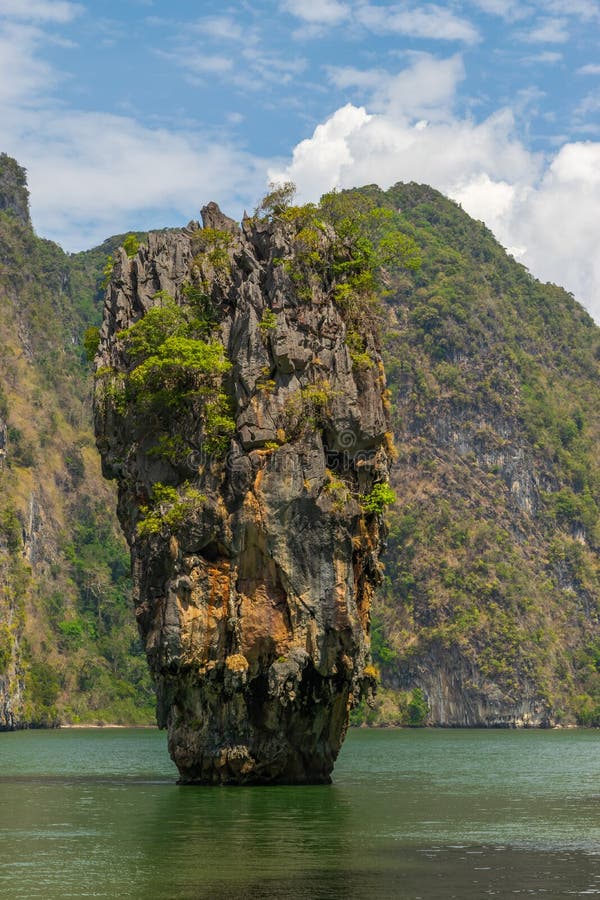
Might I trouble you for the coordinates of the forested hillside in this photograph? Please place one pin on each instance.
(492, 599)
(68, 643)
(489, 613)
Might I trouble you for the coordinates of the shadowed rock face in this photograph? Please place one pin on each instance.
(254, 604)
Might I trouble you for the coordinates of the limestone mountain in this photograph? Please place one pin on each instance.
(489, 609)
(68, 645)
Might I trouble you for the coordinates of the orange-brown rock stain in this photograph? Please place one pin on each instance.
(265, 626)
(341, 614)
(204, 618)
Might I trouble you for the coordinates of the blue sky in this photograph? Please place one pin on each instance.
(132, 115)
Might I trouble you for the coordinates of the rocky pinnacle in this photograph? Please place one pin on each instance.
(245, 491)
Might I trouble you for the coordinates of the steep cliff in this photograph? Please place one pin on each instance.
(68, 648)
(249, 450)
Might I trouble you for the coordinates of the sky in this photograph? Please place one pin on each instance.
(132, 114)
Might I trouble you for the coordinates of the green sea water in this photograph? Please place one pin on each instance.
(411, 814)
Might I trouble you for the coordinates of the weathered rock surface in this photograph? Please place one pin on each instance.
(254, 609)
(460, 696)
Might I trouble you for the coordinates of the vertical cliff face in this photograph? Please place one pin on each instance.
(249, 451)
(68, 647)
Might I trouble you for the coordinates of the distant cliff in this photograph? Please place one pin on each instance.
(491, 605)
(68, 646)
(249, 447)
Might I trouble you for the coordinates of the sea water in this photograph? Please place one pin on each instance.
(411, 814)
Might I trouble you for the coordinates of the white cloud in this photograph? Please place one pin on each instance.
(355, 147)
(201, 63)
(586, 10)
(547, 31)
(423, 21)
(589, 69)
(267, 66)
(40, 10)
(219, 28)
(548, 56)
(487, 200)
(198, 50)
(318, 12)
(364, 79)
(515, 10)
(318, 161)
(548, 211)
(557, 223)
(424, 90)
(589, 104)
(22, 74)
(93, 174)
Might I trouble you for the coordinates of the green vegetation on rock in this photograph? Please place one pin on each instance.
(174, 369)
(169, 509)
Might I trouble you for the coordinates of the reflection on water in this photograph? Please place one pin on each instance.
(411, 814)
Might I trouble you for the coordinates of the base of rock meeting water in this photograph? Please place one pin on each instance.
(260, 736)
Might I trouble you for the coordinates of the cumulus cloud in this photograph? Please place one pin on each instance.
(395, 140)
(557, 223)
(544, 212)
(425, 89)
(487, 200)
(355, 147)
(93, 174)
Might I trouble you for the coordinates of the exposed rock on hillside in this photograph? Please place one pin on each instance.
(250, 456)
(68, 647)
(491, 606)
